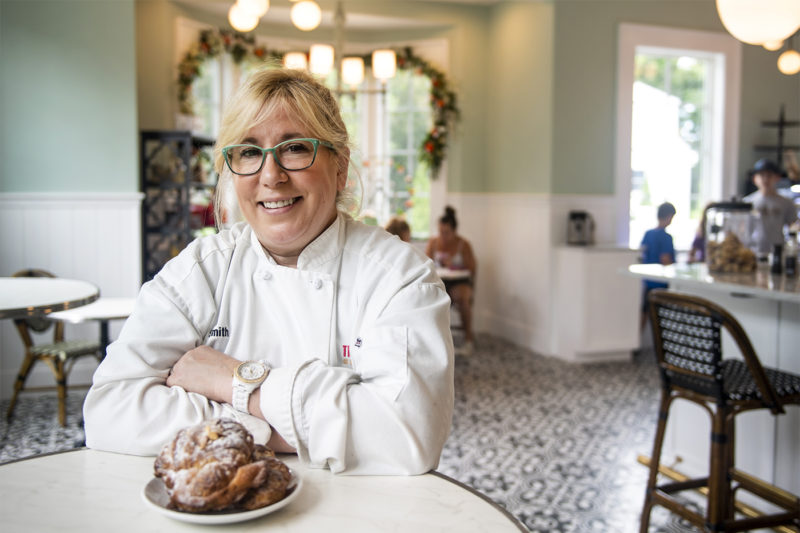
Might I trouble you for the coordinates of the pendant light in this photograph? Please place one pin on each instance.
(759, 21)
(320, 59)
(295, 60)
(789, 62)
(352, 71)
(306, 15)
(241, 19)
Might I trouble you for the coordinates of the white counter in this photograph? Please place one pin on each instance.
(587, 283)
(759, 283)
(768, 307)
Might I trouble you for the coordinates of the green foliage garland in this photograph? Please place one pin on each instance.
(241, 46)
(443, 104)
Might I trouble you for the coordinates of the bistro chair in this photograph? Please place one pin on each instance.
(59, 355)
(688, 344)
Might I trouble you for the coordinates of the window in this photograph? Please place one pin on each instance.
(677, 129)
(671, 156)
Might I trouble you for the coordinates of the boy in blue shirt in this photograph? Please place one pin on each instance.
(657, 247)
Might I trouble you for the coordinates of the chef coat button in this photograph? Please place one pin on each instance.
(317, 283)
(266, 275)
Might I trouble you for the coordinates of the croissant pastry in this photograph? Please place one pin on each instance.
(215, 466)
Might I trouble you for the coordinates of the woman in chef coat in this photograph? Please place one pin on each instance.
(323, 336)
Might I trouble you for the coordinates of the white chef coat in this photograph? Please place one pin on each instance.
(357, 337)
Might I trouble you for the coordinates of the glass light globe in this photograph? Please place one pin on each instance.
(306, 15)
(789, 62)
(295, 60)
(258, 8)
(352, 70)
(384, 64)
(241, 20)
(320, 59)
(773, 45)
(759, 21)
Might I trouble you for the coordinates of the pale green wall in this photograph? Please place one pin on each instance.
(67, 97)
(584, 133)
(520, 75)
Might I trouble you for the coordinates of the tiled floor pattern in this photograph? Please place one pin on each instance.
(554, 443)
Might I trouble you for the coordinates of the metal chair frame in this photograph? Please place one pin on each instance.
(59, 356)
(694, 370)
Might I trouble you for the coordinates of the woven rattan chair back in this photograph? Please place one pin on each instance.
(687, 334)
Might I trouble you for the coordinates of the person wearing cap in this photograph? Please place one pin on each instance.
(773, 211)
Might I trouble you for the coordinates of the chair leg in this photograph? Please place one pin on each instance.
(655, 460)
(61, 385)
(730, 429)
(719, 485)
(19, 384)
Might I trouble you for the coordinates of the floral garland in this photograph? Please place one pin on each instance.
(241, 46)
(443, 104)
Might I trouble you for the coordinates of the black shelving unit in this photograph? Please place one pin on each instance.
(172, 169)
(781, 125)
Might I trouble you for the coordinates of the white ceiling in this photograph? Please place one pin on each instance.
(279, 14)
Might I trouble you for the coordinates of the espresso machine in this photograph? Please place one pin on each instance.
(580, 228)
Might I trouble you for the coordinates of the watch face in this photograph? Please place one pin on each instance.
(251, 371)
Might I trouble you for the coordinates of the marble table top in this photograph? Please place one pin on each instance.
(22, 297)
(88, 490)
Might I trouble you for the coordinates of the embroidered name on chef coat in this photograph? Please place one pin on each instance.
(219, 331)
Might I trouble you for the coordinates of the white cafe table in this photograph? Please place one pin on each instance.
(26, 297)
(103, 311)
(449, 274)
(87, 490)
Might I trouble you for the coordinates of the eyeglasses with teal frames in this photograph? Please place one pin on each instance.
(294, 154)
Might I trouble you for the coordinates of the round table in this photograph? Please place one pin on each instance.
(88, 490)
(26, 297)
(103, 310)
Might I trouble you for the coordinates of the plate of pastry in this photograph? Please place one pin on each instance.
(156, 497)
(213, 473)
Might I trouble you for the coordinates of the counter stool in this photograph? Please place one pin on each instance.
(687, 341)
(59, 355)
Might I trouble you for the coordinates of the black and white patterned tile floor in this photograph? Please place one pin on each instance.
(554, 443)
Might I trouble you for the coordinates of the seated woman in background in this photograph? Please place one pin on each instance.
(398, 226)
(449, 250)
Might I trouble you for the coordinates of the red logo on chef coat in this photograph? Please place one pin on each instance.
(346, 354)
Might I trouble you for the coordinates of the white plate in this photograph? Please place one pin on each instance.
(155, 496)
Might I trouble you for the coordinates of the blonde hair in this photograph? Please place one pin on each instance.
(305, 99)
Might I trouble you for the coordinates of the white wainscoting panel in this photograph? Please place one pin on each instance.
(90, 236)
(510, 235)
(515, 238)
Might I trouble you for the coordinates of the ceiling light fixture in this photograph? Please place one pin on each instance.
(306, 15)
(353, 71)
(244, 15)
(320, 59)
(759, 21)
(296, 60)
(242, 20)
(789, 60)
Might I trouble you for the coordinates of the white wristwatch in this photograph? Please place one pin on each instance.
(247, 377)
